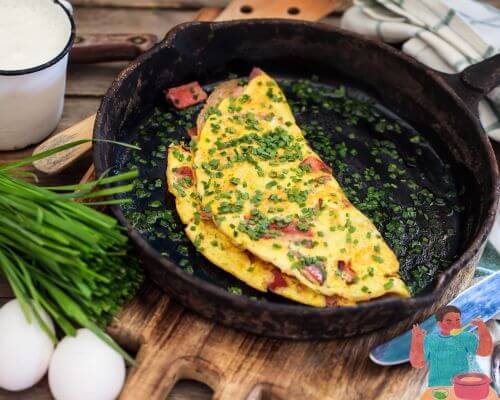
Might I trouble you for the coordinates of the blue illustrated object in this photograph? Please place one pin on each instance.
(480, 300)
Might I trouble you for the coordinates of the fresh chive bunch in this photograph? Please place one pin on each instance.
(63, 256)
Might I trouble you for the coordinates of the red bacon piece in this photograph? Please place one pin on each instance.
(307, 243)
(315, 273)
(206, 216)
(332, 301)
(346, 203)
(319, 205)
(185, 95)
(316, 164)
(185, 172)
(348, 273)
(192, 132)
(278, 280)
(291, 229)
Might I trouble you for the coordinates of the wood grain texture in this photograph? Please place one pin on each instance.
(208, 14)
(94, 80)
(121, 20)
(176, 344)
(60, 161)
(183, 390)
(311, 10)
(171, 3)
(155, 4)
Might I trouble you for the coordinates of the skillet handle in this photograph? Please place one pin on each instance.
(476, 81)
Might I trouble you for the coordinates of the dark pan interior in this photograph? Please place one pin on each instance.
(406, 182)
(438, 151)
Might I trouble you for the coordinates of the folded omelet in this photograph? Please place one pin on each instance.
(219, 249)
(270, 194)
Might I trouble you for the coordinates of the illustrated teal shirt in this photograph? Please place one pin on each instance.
(448, 356)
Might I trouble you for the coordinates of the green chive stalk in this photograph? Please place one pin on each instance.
(63, 256)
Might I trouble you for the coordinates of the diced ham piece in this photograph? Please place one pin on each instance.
(192, 132)
(185, 95)
(185, 172)
(346, 203)
(291, 229)
(332, 301)
(348, 273)
(315, 273)
(278, 280)
(206, 216)
(319, 205)
(316, 164)
(256, 71)
(307, 243)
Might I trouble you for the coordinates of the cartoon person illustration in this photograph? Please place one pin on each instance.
(447, 353)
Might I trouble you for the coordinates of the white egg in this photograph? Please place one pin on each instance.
(25, 349)
(84, 367)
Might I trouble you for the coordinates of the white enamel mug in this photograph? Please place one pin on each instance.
(32, 100)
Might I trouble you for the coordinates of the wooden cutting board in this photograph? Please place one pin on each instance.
(172, 343)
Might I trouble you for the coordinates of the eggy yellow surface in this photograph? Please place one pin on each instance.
(219, 250)
(253, 179)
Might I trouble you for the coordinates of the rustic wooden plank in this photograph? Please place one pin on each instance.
(177, 344)
(95, 79)
(83, 130)
(157, 21)
(185, 389)
(159, 4)
(311, 10)
(208, 14)
(156, 4)
(92, 79)
(175, 4)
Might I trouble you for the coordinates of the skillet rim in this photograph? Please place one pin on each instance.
(420, 300)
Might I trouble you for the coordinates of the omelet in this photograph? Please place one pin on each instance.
(219, 249)
(270, 194)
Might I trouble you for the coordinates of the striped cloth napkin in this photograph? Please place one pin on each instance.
(446, 35)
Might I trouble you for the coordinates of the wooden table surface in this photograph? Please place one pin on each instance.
(88, 83)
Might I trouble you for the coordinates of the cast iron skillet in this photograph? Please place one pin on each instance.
(443, 105)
